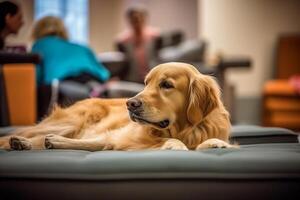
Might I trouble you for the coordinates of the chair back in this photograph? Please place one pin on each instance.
(288, 56)
(21, 93)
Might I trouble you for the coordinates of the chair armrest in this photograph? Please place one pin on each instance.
(230, 62)
(234, 62)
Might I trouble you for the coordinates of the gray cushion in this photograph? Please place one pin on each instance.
(250, 161)
(250, 134)
(263, 171)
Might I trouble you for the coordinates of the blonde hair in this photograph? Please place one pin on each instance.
(49, 25)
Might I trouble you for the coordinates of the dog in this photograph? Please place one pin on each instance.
(179, 109)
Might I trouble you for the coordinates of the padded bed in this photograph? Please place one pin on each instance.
(263, 168)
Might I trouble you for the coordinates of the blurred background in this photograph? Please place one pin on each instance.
(243, 43)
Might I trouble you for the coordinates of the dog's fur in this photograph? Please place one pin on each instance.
(179, 108)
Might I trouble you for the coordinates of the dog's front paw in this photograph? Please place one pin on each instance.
(174, 144)
(19, 143)
(53, 141)
(215, 143)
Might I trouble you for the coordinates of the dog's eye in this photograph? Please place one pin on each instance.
(166, 85)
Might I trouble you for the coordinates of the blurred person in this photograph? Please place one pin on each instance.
(61, 58)
(138, 41)
(75, 67)
(11, 20)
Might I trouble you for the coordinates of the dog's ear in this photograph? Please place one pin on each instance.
(204, 96)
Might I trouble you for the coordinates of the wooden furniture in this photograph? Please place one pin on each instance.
(281, 102)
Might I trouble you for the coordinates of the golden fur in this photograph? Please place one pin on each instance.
(179, 108)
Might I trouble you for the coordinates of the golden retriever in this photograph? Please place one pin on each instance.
(179, 109)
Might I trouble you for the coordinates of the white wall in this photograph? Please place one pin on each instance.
(105, 17)
(248, 27)
(170, 14)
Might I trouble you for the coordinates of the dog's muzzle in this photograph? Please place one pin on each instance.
(137, 118)
(135, 108)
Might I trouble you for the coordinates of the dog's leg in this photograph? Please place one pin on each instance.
(119, 139)
(15, 142)
(34, 137)
(59, 142)
(22, 143)
(215, 143)
(173, 144)
(19, 143)
(109, 142)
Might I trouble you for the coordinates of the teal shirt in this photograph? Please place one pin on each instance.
(62, 59)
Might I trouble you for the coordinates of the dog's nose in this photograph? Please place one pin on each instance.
(133, 104)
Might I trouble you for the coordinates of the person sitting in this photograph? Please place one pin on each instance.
(137, 41)
(11, 20)
(75, 66)
(61, 58)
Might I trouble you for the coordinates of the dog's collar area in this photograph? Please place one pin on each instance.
(136, 118)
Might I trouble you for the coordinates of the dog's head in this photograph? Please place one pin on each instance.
(174, 93)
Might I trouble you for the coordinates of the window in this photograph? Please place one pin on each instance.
(73, 12)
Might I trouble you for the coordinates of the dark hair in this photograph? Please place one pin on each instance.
(7, 7)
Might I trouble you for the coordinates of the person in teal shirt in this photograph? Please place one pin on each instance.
(62, 59)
